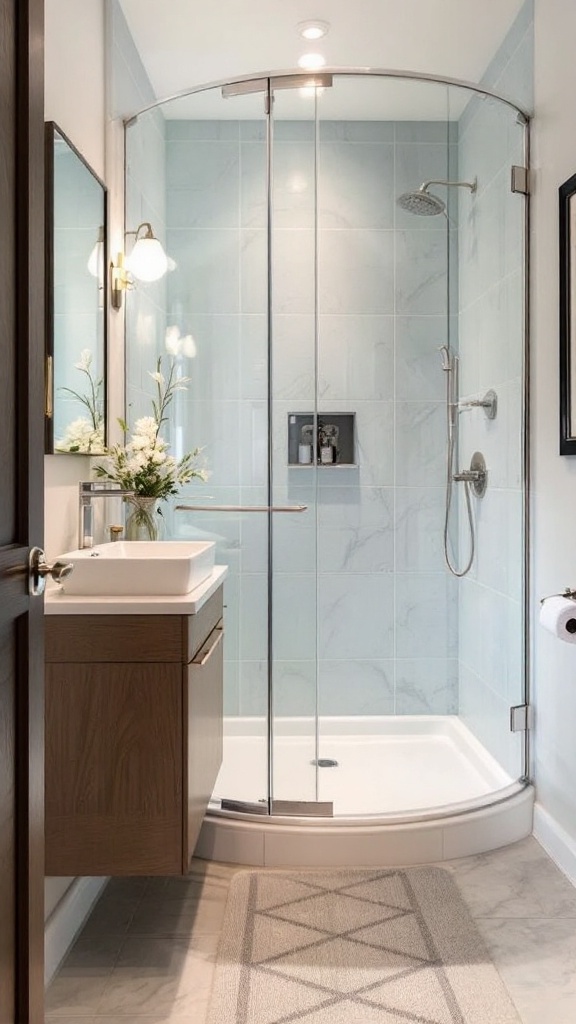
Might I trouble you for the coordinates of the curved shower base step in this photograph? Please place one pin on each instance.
(309, 842)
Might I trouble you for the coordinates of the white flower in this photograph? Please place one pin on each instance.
(143, 464)
(85, 360)
(146, 425)
(81, 436)
(138, 461)
(138, 442)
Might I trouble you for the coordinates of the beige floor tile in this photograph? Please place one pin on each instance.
(75, 994)
(174, 954)
(155, 976)
(70, 1020)
(95, 950)
(516, 881)
(147, 955)
(132, 888)
(537, 962)
(178, 917)
(185, 888)
(111, 916)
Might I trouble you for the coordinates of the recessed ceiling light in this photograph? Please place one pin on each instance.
(311, 61)
(313, 29)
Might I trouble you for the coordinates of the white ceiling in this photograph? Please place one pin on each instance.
(184, 43)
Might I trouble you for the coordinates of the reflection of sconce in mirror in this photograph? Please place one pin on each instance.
(147, 262)
(96, 258)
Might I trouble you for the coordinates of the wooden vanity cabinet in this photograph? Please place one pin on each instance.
(134, 715)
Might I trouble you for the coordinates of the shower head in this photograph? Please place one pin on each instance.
(421, 203)
(424, 203)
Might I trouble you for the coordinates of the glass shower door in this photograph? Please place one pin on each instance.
(293, 468)
(217, 330)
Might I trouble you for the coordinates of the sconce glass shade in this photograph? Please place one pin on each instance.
(147, 261)
(96, 258)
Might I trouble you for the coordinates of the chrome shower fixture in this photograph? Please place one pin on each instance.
(489, 403)
(447, 362)
(450, 365)
(474, 477)
(424, 203)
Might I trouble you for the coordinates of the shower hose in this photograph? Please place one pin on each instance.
(452, 430)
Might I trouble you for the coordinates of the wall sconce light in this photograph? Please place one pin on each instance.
(147, 262)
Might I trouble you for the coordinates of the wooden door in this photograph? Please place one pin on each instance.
(21, 510)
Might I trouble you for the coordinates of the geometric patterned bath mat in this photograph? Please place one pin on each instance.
(353, 947)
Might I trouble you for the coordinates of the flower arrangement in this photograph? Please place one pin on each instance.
(85, 435)
(143, 464)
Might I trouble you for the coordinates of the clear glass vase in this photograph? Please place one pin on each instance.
(144, 520)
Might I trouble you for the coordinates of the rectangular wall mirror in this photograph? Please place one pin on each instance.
(76, 288)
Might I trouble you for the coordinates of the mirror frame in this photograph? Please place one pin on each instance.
(50, 128)
(567, 299)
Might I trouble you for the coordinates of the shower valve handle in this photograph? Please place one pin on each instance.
(469, 476)
(476, 475)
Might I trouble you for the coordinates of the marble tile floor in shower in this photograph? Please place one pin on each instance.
(146, 954)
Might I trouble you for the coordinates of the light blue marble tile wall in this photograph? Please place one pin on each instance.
(359, 581)
(491, 325)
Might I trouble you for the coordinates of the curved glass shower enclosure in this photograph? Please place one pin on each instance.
(341, 346)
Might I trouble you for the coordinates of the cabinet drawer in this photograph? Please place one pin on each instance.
(202, 624)
(114, 638)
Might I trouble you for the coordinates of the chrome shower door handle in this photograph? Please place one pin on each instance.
(241, 508)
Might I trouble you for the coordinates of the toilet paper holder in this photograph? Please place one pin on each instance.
(567, 592)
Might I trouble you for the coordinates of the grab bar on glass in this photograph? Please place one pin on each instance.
(240, 508)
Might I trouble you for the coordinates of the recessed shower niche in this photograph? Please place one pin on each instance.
(321, 439)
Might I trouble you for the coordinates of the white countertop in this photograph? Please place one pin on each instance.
(57, 602)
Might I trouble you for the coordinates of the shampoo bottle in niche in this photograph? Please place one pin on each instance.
(305, 449)
(326, 448)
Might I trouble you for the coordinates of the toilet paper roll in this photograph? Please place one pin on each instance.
(558, 615)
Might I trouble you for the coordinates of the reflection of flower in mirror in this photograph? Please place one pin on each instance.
(85, 434)
(177, 344)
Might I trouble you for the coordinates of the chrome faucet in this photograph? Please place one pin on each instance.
(89, 489)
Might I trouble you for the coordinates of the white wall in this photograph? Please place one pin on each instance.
(75, 99)
(553, 476)
(74, 76)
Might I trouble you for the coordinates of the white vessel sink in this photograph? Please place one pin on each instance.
(139, 568)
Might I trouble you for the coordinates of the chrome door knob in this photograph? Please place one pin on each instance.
(38, 570)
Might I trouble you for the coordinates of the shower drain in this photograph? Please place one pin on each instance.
(324, 762)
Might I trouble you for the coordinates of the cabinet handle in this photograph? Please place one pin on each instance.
(203, 656)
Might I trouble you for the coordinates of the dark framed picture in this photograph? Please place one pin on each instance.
(567, 235)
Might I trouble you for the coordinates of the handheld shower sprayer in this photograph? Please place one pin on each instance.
(450, 364)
